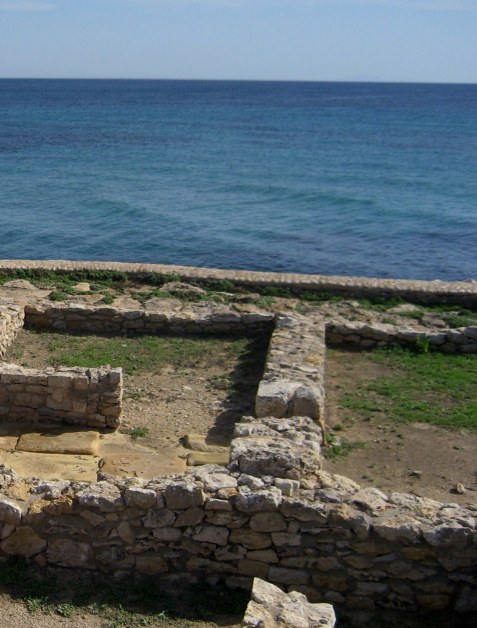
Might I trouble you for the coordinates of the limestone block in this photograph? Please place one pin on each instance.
(159, 518)
(268, 522)
(67, 553)
(10, 511)
(189, 517)
(102, 495)
(140, 498)
(271, 607)
(66, 442)
(250, 539)
(275, 456)
(126, 533)
(151, 564)
(184, 494)
(199, 458)
(168, 535)
(273, 398)
(212, 534)
(215, 482)
(252, 568)
(23, 541)
(256, 501)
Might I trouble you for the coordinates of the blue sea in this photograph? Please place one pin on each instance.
(332, 178)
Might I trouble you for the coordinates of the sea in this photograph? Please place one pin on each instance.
(369, 179)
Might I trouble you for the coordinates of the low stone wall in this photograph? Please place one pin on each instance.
(78, 396)
(355, 334)
(158, 316)
(461, 292)
(11, 321)
(293, 381)
(323, 535)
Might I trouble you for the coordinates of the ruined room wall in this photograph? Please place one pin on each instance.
(77, 396)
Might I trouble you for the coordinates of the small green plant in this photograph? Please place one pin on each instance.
(221, 285)
(276, 291)
(340, 447)
(65, 610)
(264, 302)
(422, 345)
(107, 299)
(58, 296)
(36, 604)
(138, 432)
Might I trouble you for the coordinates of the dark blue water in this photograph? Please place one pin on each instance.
(329, 178)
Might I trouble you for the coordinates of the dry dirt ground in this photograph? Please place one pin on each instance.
(416, 458)
(405, 457)
(165, 405)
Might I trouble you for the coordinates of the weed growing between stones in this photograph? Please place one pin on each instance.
(138, 432)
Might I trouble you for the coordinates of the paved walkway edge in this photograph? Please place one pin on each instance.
(462, 292)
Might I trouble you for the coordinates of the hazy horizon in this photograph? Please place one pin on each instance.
(371, 41)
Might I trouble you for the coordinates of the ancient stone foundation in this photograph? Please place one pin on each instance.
(271, 512)
(11, 321)
(76, 396)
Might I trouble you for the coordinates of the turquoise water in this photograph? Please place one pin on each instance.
(329, 178)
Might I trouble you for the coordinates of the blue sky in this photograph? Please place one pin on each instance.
(376, 40)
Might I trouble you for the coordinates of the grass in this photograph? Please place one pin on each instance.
(131, 604)
(138, 432)
(427, 387)
(339, 447)
(139, 354)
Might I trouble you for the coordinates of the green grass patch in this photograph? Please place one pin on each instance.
(339, 447)
(424, 386)
(140, 354)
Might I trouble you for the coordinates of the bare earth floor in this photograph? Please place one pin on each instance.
(414, 458)
(163, 407)
(405, 457)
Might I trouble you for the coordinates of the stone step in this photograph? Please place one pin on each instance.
(52, 466)
(199, 442)
(60, 442)
(200, 458)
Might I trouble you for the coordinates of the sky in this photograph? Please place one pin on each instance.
(310, 40)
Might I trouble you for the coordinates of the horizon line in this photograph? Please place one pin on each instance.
(234, 80)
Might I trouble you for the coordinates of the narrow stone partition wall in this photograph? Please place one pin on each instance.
(365, 336)
(77, 396)
(293, 381)
(11, 321)
(158, 316)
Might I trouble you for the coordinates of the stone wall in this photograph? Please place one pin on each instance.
(77, 396)
(11, 321)
(321, 535)
(461, 292)
(158, 316)
(293, 381)
(363, 336)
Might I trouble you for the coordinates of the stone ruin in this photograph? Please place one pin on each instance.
(270, 513)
